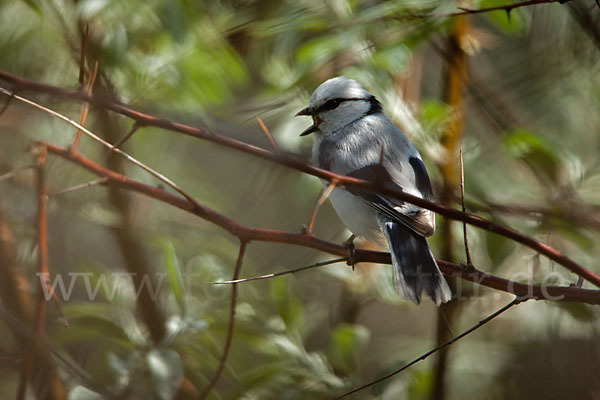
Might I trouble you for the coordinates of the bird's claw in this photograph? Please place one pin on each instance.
(351, 249)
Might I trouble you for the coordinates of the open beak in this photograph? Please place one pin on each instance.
(316, 121)
(304, 111)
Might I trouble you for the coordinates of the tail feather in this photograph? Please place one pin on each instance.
(413, 264)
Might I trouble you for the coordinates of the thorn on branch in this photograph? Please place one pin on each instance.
(100, 181)
(324, 195)
(263, 127)
(134, 128)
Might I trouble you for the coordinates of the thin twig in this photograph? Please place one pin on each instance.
(16, 171)
(276, 274)
(42, 241)
(462, 200)
(129, 134)
(82, 53)
(516, 301)
(263, 127)
(248, 233)
(82, 186)
(324, 195)
(228, 340)
(105, 143)
(86, 107)
(468, 11)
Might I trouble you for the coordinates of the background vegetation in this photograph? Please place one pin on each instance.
(519, 90)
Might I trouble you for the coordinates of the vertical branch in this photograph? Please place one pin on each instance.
(82, 52)
(456, 73)
(17, 300)
(462, 203)
(86, 106)
(33, 349)
(133, 252)
(229, 338)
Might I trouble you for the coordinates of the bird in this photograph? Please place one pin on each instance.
(354, 137)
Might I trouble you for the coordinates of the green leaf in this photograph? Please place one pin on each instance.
(536, 152)
(420, 384)
(173, 272)
(287, 304)
(433, 113)
(319, 49)
(392, 59)
(344, 341)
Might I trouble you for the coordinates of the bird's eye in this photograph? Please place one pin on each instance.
(331, 104)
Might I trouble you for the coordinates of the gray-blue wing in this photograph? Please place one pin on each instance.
(417, 219)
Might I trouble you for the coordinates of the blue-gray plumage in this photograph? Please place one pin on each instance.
(354, 137)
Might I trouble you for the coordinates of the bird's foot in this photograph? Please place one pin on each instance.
(351, 249)
(579, 283)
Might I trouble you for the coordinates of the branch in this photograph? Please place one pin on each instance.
(276, 274)
(468, 11)
(302, 166)
(228, 340)
(248, 234)
(42, 241)
(18, 302)
(101, 141)
(438, 348)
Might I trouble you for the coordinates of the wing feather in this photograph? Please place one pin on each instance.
(419, 220)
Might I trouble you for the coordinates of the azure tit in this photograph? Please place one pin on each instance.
(354, 137)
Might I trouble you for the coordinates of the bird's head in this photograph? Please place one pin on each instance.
(336, 103)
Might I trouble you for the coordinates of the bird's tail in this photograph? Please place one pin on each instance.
(414, 267)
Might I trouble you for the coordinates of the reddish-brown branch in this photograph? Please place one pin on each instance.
(18, 301)
(301, 165)
(229, 338)
(42, 241)
(247, 234)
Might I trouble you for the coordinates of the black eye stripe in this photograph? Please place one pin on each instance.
(334, 103)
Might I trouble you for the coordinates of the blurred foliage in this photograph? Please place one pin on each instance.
(531, 140)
